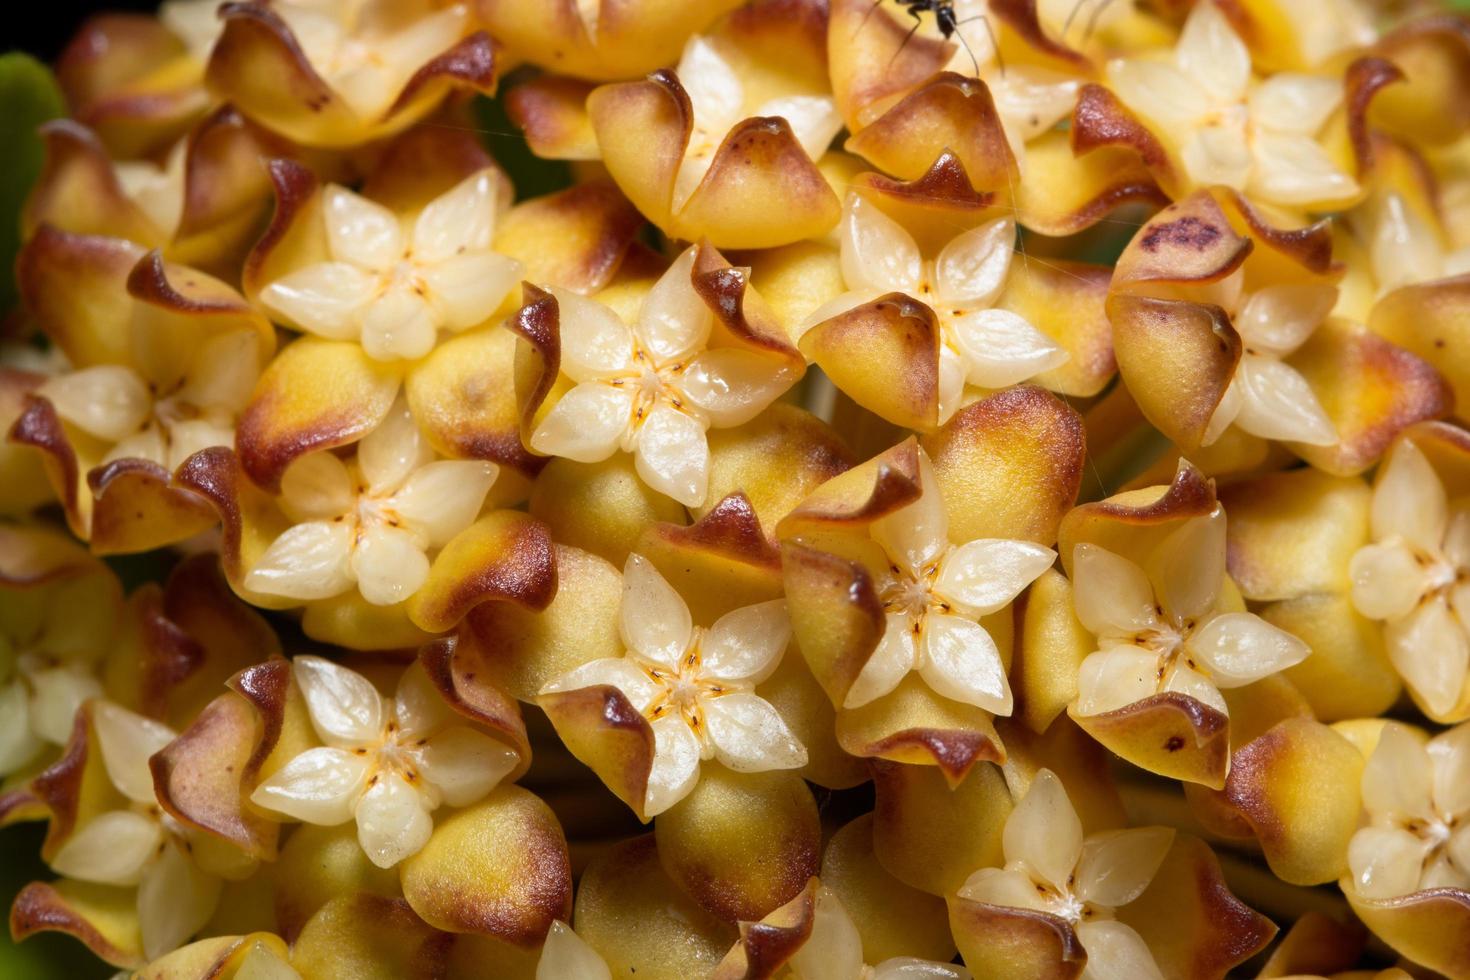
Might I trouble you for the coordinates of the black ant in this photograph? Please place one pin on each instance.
(946, 21)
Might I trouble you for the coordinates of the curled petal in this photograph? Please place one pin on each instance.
(320, 786)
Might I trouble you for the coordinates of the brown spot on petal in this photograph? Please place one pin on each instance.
(1143, 732)
(1189, 241)
(136, 508)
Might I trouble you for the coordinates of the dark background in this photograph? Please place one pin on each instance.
(43, 28)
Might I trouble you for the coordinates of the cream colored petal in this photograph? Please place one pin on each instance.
(346, 710)
(110, 849)
(393, 450)
(834, 950)
(392, 822)
(223, 372)
(1459, 852)
(107, 401)
(749, 735)
(586, 424)
(654, 619)
(19, 743)
(1112, 595)
(195, 22)
(566, 956)
(971, 269)
(325, 299)
(1404, 247)
(319, 786)
(913, 968)
(746, 644)
(1456, 545)
(373, 82)
(463, 764)
(262, 963)
(1385, 862)
(952, 368)
(1225, 413)
(308, 561)
(1398, 780)
(175, 900)
(1032, 100)
(317, 486)
(1241, 647)
(595, 342)
(877, 253)
(1210, 52)
(1449, 759)
(960, 661)
(896, 655)
(1279, 319)
(674, 322)
(1194, 684)
(1114, 950)
(1289, 102)
(1001, 348)
(1278, 403)
(440, 499)
(1005, 888)
(814, 120)
(712, 84)
(732, 386)
(189, 437)
(389, 565)
(464, 290)
(1430, 651)
(460, 220)
(1115, 678)
(148, 444)
(917, 534)
(1296, 170)
(672, 455)
(675, 764)
(1387, 580)
(1043, 831)
(1160, 92)
(419, 708)
(56, 694)
(361, 231)
(1409, 500)
(399, 325)
(619, 672)
(128, 740)
(984, 576)
(1188, 567)
(1117, 865)
(1218, 154)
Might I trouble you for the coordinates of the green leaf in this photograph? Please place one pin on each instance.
(29, 96)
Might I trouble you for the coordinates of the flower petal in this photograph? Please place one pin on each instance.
(1113, 596)
(712, 85)
(1043, 831)
(1115, 678)
(595, 342)
(1002, 349)
(654, 619)
(107, 401)
(361, 231)
(1004, 887)
(110, 849)
(345, 708)
(1218, 153)
(750, 735)
(392, 822)
(320, 786)
(918, 533)
(619, 672)
(672, 455)
(1241, 647)
(1211, 53)
(399, 325)
(896, 655)
(19, 744)
(460, 220)
(317, 486)
(1116, 952)
(814, 120)
(1188, 567)
(984, 576)
(834, 948)
(1278, 319)
(971, 269)
(392, 450)
(175, 900)
(56, 694)
(566, 956)
(1117, 866)
(1278, 403)
(465, 290)
(1160, 92)
(389, 565)
(732, 386)
(128, 740)
(1194, 684)
(1430, 651)
(586, 424)
(877, 253)
(325, 299)
(960, 661)
(441, 499)
(1387, 580)
(746, 644)
(1398, 778)
(675, 767)
(1449, 757)
(1291, 102)
(1409, 500)
(463, 764)
(1296, 170)
(1385, 861)
(674, 321)
(308, 561)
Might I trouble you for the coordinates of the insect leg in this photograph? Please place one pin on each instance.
(994, 42)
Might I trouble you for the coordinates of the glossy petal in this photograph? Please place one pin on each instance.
(1387, 580)
(1449, 755)
(712, 85)
(399, 324)
(308, 561)
(465, 289)
(389, 565)
(1113, 596)
(619, 672)
(751, 736)
(654, 619)
(1409, 500)
(1193, 683)
(128, 740)
(895, 655)
(19, 744)
(393, 450)
(1160, 92)
(1398, 779)
(916, 534)
(877, 254)
(984, 576)
(1278, 403)
(675, 764)
(463, 764)
(1115, 678)
(443, 498)
(1218, 154)
(460, 220)
(674, 322)
(361, 231)
(1296, 170)
(1117, 866)
(960, 661)
(1043, 832)
(345, 708)
(586, 424)
(732, 386)
(110, 849)
(1004, 887)
(1242, 647)
(392, 822)
(971, 269)
(1188, 567)
(175, 900)
(317, 486)
(747, 643)
(1210, 52)
(814, 120)
(595, 342)
(1116, 952)
(673, 455)
(1430, 651)
(419, 708)
(1386, 861)
(1279, 319)
(320, 786)
(56, 694)
(566, 956)
(1001, 348)
(834, 950)
(325, 299)
(107, 401)
(1289, 102)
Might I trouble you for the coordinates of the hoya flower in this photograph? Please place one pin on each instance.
(387, 763)
(1407, 241)
(979, 343)
(137, 844)
(934, 592)
(370, 522)
(1260, 136)
(1416, 800)
(1052, 869)
(1160, 627)
(394, 284)
(1415, 577)
(693, 685)
(655, 389)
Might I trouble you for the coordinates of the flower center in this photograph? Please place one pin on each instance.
(912, 594)
(652, 383)
(684, 689)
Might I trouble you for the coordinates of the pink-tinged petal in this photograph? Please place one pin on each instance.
(1240, 647)
(733, 386)
(1278, 319)
(107, 401)
(675, 767)
(1001, 348)
(463, 764)
(465, 290)
(325, 299)
(389, 565)
(961, 661)
(1398, 779)
(654, 619)
(175, 900)
(111, 849)
(747, 644)
(1188, 567)
(984, 576)
(895, 655)
(317, 486)
(460, 220)
(751, 736)
(345, 708)
(586, 424)
(1388, 580)
(399, 325)
(1194, 684)
(1116, 952)
(672, 455)
(439, 500)
(1115, 678)
(1043, 831)
(1409, 499)
(361, 231)
(916, 534)
(392, 822)
(971, 269)
(878, 256)
(127, 740)
(566, 956)
(1210, 52)
(1431, 652)
(319, 786)
(1116, 866)
(1113, 596)
(1005, 888)
(619, 672)
(1386, 862)
(1277, 403)
(595, 342)
(674, 320)
(309, 561)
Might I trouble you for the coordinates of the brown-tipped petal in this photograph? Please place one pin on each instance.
(369, 937)
(1429, 319)
(1433, 55)
(931, 207)
(1317, 945)
(1190, 241)
(721, 562)
(1133, 522)
(316, 394)
(885, 356)
(996, 941)
(39, 428)
(74, 286)
(552, 111)
(1101, 124)
(481, 702)
(1169, 734)
(1427, 927)
(76, 787)
(932, 836)
(741, 843)
(78, 191)
(1049, 652)
(858, 496)
(296, 236)
(177, 305)
(285, 728)
(836, 617)
(874, 60)
(576, 238)
(914, 725)
(249, 517)
(642, 130)
(605, 732)
(767, 945)
(136, 508)
(505, 556)
(1063, 193)
(25, 486)
(421, 164)
(216, 958)
(498, 867)
(104, 917)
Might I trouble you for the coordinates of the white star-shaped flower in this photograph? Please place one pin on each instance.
(1051, 868)
(394, 285)
(1415, 577)
(1416, 799)
(1257, 136)
(388, 764)
(695, 685)
(140, 846)
(654, 390)
(1159, 630)
(934, 593)
(980, 344)
(371, 522)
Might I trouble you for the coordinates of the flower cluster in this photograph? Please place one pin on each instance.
(797, 489)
